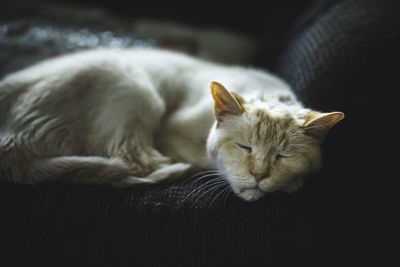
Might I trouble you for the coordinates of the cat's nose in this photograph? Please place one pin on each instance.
(259, 176)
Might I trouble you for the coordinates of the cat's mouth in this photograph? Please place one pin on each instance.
(241, 190)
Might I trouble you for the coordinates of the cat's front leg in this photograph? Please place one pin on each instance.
(143, 161)
(150, 166)
(168, 173)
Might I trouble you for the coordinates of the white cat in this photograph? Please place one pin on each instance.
(132, 116)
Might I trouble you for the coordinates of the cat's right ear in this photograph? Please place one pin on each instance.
(225, 102)
(318, 124)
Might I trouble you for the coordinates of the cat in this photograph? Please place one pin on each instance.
(139, 116)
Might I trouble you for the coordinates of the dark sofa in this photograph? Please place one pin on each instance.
(337, 55)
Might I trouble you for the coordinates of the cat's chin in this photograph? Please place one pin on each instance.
(251, 194)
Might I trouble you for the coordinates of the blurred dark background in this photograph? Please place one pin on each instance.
(264, 24)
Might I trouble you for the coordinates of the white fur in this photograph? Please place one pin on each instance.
(90, 109)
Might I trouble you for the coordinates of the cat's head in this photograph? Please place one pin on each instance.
(260, 152)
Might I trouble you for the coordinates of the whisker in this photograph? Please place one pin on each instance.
(206, 186)
(213, 172)
(227, 194)
(212, 189)
(206, 172)
(223, 190)
(201, 173)
(195, 180)
(212, 182)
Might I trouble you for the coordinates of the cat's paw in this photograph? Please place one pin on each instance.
(171, 172)
(131, 181)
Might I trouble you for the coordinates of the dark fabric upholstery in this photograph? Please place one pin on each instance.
(344, 58)
(339, 55)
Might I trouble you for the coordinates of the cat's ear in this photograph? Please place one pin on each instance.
(318, 124)
(226, 103)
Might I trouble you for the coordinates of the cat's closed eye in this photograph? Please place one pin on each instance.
(247, 148)
(281, 156)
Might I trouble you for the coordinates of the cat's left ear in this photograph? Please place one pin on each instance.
(226, 103)
(318, 124)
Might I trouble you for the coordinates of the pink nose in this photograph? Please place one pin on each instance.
(259, 176)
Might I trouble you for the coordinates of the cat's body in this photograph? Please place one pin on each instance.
(124, 117)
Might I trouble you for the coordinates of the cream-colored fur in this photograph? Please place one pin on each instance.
(132, 116)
